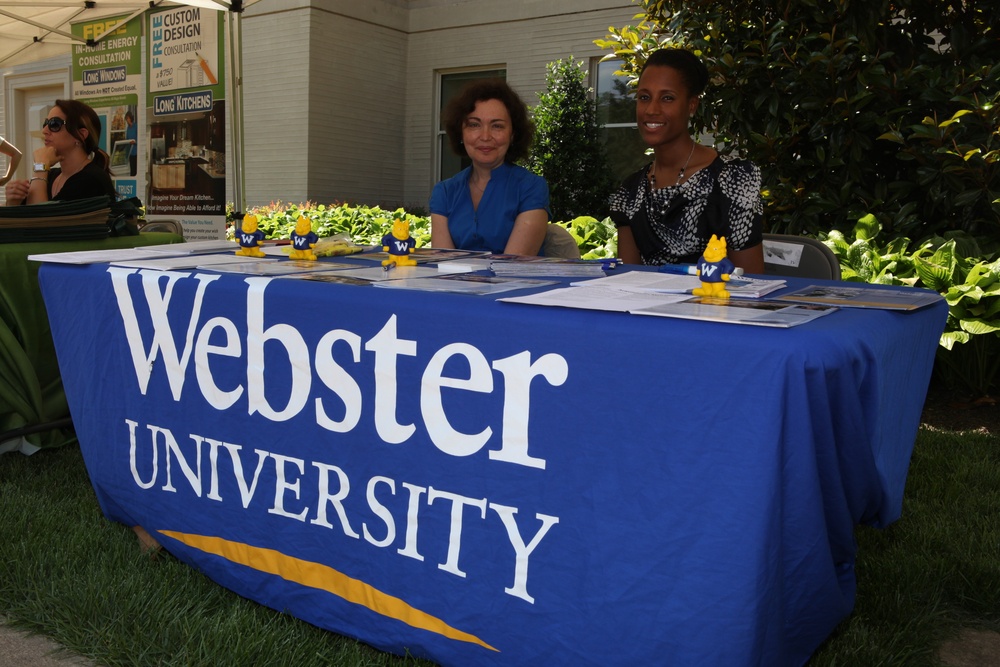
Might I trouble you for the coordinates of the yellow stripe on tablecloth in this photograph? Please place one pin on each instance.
(323, 577)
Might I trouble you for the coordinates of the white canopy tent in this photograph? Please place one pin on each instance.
(37, 29)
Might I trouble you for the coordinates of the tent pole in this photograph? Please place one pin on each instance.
(234, 25)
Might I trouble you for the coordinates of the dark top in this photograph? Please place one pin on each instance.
(91, 181)
(672, 225)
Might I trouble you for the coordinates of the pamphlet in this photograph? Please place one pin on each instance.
(465, 265)
(858, 295)
(329, 277)
(739, 311)
(93, 256)
(380, 273)
(673, 283)
(141, 252)
(188, 261)
(427, 255)
(276, 268)
(192, 248)
(465, 284)
(596, 298)
(516, 265)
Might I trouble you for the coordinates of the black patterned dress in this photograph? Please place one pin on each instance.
(672, 225)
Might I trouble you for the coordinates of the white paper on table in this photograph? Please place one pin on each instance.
(113, 255)
(191, 248)
(644, 281)
(188, 261)
(90, 256)
(395, 273)
(596, 298)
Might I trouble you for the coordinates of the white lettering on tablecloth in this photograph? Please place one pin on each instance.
(389, 350)
(199, 465)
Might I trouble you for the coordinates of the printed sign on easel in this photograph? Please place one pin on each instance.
(187, 110)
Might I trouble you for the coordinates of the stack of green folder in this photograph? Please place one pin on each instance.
(56, 221)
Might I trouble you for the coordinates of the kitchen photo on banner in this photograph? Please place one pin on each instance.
(108, 77)
(186, 108)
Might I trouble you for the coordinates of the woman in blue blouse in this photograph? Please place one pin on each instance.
(493, 204)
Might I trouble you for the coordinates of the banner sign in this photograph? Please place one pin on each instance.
(490, 484)
(108, 77)
(187, 109)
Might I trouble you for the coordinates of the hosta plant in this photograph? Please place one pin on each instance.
(954, 266)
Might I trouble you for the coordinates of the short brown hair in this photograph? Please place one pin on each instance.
(460, 106)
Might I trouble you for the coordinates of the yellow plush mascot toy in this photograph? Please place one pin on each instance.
(250, 237)
(399, 245)
(304, 239)
(714, 269)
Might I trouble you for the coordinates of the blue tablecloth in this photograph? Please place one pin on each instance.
(496, 484)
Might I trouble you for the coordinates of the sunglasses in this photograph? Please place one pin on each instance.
(54, 124)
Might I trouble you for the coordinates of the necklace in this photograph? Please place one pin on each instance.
(680, 174)
(480, 188)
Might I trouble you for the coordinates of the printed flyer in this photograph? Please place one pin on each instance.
(187, 110)
(108, 77)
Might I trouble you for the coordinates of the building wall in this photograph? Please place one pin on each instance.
(358, 110)
(276, 105)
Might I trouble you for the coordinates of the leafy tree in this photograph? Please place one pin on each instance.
(849, 108)
(567, 151)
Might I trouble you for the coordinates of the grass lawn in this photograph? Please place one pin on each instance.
(67, 572)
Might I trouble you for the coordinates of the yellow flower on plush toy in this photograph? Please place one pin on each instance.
(714, 269)
(250, 237)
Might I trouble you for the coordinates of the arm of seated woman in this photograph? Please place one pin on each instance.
(628, 251)
(440, 236)
(751, 260)
(528, 234)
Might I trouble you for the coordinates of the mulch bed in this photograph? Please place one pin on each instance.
(946, 410)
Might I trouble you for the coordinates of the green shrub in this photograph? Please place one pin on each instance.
(365, 225)
(597, 239)
(567, 150)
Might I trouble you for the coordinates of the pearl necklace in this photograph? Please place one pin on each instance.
(680, 174)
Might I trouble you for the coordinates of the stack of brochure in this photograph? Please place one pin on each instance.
(756, 312)
(671, 283)
(863, 296)
(465, 284)
(427, 255)
(509, 265)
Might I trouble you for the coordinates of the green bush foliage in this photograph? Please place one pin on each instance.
(567, 150)
(954, 266)
(849, 108)
(597, 239)
(365, 225)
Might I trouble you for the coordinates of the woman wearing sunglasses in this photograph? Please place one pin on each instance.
(72, 133)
